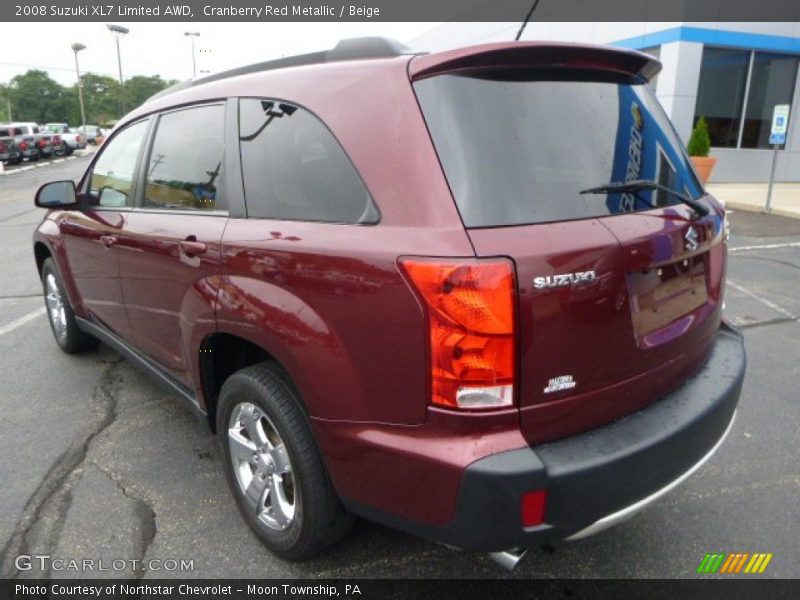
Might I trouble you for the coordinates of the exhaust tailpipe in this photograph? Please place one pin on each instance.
(508, 559)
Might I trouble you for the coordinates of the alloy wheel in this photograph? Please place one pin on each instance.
(54, 298)
(262, 466)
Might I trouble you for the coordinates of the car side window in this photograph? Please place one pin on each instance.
(185, 160)
(294, 168)
(111, 182)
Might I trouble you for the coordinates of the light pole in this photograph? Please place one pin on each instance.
(118, 32)
(77, 47)
(192, 35)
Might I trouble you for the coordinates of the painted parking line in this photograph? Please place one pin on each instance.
(22, 320)
(765, 247)
(43, 163)
(776, 307)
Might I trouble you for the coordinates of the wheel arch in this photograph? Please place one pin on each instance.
(221, 354)
(41, 253)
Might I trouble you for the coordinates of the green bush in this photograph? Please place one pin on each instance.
(700, 142)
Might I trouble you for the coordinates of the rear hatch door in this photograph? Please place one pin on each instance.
(619, 294)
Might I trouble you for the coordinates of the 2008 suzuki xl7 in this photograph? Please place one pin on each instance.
(475, 295)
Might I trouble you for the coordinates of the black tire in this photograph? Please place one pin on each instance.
(73, 340)
(319, 519)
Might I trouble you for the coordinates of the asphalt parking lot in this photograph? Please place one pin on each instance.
(97, 462)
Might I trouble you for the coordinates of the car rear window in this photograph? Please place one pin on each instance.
(519, 152)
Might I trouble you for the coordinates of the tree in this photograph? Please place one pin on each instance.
(5, 103)
(100, 97)
(700, 142)
(36, 97)
(139, 88)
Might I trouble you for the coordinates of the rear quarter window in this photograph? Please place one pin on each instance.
(294, 169)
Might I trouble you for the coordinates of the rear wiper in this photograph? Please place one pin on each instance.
(645, 185)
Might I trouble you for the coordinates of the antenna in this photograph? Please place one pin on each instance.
(527, 18)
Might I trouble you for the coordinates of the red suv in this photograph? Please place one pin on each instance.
(475, 295)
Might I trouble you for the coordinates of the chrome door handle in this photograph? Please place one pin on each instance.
(108, 240)
(193, 247)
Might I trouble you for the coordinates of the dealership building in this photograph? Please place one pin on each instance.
(733, 74)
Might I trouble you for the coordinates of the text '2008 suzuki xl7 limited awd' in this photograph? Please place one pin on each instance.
(475, 295)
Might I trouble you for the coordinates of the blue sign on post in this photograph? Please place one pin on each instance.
(777, 139)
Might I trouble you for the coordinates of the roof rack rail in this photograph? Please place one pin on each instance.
(349, 49)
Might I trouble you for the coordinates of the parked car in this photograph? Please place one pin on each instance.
(59, 146)
(26, 144)
(41, 139)
(72, 137)
(475, 295)
(9, 154)
(93, 134)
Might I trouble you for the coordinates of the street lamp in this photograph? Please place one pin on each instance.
(118, 31)
(192, 35)
(77, 47)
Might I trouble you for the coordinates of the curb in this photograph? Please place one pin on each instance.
(780, 212)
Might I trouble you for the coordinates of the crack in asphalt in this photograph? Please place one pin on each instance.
(56, 482)
(144, 513)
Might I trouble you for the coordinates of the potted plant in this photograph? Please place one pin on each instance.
(699, 146)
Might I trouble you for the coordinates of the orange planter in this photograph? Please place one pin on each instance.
(704, 165)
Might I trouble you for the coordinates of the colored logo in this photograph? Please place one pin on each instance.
(737, 562)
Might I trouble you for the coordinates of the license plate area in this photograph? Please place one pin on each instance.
(665, 299)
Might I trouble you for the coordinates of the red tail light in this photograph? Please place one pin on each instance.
(2, 147)
(23, 146)
(42, 143)
(56, 139)
(470, 313)
(79, 139)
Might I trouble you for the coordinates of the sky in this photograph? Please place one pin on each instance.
(163, 49)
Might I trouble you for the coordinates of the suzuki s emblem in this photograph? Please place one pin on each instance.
(691, 239)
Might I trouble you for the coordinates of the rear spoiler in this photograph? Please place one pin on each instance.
(535, 55)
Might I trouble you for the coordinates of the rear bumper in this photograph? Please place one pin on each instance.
(598, 478)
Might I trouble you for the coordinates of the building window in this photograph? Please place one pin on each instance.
(772, 82)
(720, 97)
(734, 83)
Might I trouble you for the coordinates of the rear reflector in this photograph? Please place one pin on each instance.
(470, 312)
(533, 505)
